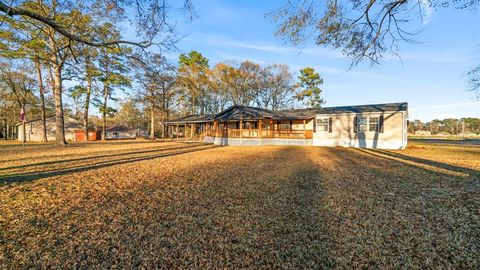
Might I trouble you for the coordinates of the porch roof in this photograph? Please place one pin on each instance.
(237, 112)
(193, 118)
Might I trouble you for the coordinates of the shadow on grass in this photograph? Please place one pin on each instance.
(262, 215)
(463, 142)
(125, 158)
(290, 209)
(395, 156)
(387, 214)
(93, 157)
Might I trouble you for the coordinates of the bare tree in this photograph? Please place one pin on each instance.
(156, 78)
(363, 29)
(64, 23)
(473, 80)
(151, 20)
(276, 87)
(17, 81)
(41, 88)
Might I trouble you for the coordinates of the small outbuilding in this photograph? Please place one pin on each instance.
(124, 132)
(93, 135)
(34, 129)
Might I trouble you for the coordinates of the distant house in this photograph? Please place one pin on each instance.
(423, 133)
(124, 132)
(33, 129)
(366, 126)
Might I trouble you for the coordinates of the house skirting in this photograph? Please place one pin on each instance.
(361, 143)
(358, 143)
(255, 141)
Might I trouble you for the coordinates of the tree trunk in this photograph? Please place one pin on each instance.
(193, 105)
(167, 111)
(42, 99)
(24, 129)
(57, 64)
(152, 122)
(104, 113)
(163, 130)
(6, 129)
(59, 121)
(24, 132)
(87, 105)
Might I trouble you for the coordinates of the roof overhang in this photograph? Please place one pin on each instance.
(188, 122)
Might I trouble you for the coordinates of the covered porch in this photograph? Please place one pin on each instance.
(260, 128)
(243, 123)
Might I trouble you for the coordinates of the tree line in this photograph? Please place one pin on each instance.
(52, 49)
(156, 89)
(75, 40)
(450, 126)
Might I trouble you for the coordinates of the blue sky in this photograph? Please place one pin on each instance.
(430, 76)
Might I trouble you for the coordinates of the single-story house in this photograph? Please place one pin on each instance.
(34, 133)
(365, 126)
(124, 132)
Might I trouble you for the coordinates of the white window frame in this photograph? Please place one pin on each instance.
(325, 124)
(377, 129)
(361, 124)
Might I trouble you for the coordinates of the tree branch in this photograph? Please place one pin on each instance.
(17, 11)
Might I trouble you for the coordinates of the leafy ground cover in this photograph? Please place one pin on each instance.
(169, 205)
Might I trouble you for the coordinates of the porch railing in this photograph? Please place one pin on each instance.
(263, 133)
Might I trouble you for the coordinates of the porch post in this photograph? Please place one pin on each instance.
(260, 128)
(304, 132)
(176, 131)
(241, 127)
(192, 131)
(271, 128)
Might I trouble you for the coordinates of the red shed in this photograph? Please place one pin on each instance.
(93, 135)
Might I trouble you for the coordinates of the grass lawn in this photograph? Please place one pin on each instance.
(174, 205)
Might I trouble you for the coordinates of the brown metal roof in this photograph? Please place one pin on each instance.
(237, 112)
(193, 118)
(119, 127)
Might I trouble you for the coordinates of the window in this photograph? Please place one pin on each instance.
(361, 124)
(249, 124)
(374, 124)
(285, 125)
(322, 124)
(266, 125)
